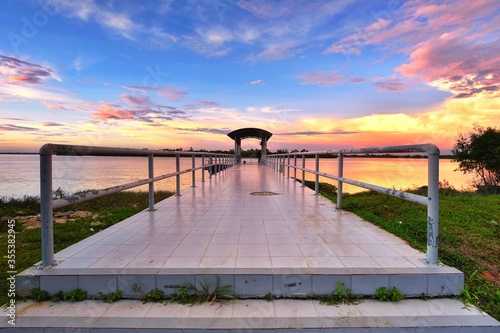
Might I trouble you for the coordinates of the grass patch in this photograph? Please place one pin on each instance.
(469, 234)
(189, 294)
(111, 209)
(339, 296)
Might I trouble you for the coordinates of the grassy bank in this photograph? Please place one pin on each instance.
(469, 234)
(106, 211)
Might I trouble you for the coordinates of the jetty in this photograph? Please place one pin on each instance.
(276, 244)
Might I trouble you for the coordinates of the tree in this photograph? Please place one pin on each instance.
(478, 152)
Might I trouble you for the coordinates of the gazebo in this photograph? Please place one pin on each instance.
(246, 133)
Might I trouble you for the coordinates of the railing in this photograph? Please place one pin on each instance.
(281, 161)
(216, 163)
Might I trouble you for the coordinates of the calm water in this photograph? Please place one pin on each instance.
(20, 173)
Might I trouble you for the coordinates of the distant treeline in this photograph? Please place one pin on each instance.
(253, 153)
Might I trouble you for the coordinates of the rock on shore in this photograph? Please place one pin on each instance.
(33, 221)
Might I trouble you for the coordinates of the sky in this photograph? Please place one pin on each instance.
(318, 74)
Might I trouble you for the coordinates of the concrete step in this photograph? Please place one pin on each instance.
(281, 315)
(247, 283)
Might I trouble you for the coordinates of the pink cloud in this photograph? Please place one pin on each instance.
(257, 82)
(276, 52)
(391, 84)
(111, 111)
(138, 88)
(447, 45)
(52, 105)
(173, 92)
(457, 66)
(51, 124)
(201, 104)
(320, 78)
(141, 109)
(353, 79)
(16, 128)
(19, 71)
(352, 44)
(136, 100)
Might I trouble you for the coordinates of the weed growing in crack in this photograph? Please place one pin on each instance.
(189, 294)
(111, 297)
(155, 295)
(392, 294)
(339, 296)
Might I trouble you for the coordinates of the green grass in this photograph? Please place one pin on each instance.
(111, 209)
(469, 234)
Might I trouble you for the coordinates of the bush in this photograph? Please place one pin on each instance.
(478, 152)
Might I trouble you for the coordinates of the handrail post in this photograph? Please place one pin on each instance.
(202, 168)
(295, 167)
(288, 166)
(316, 185)
(433, 209)
(193, 173)
(340, 183)
(152, 184)
(47, 223)
(303, 171)
(178, 176)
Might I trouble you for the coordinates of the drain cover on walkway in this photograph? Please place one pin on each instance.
(264, 193)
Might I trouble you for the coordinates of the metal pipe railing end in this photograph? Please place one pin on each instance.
(432, 149)
(47, 149)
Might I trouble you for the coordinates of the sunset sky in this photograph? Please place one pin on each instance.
(318, 74)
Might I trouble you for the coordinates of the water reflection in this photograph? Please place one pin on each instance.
(20, 173)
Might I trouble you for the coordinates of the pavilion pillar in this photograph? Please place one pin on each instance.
(263, 151)
(237, 151)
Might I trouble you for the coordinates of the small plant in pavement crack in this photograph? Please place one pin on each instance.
(339, 296)
(393, 294)
(155, 295)
(75, 295)
(39, 295)
(189, 294)
(111, 297)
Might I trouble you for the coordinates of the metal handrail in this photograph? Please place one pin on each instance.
(217, 163)
(278, 162)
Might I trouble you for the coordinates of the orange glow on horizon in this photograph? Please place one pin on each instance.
(440, 126)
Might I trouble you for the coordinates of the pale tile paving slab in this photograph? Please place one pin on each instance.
(410, 315)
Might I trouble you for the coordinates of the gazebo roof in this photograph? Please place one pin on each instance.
(245, 133)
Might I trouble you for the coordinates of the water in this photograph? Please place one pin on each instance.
(20, 173)
(397, 173)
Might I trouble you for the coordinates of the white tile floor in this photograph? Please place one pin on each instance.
(220, 228)
(220, 224)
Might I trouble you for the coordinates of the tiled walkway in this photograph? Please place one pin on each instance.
(292, 243)
(221, 227)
